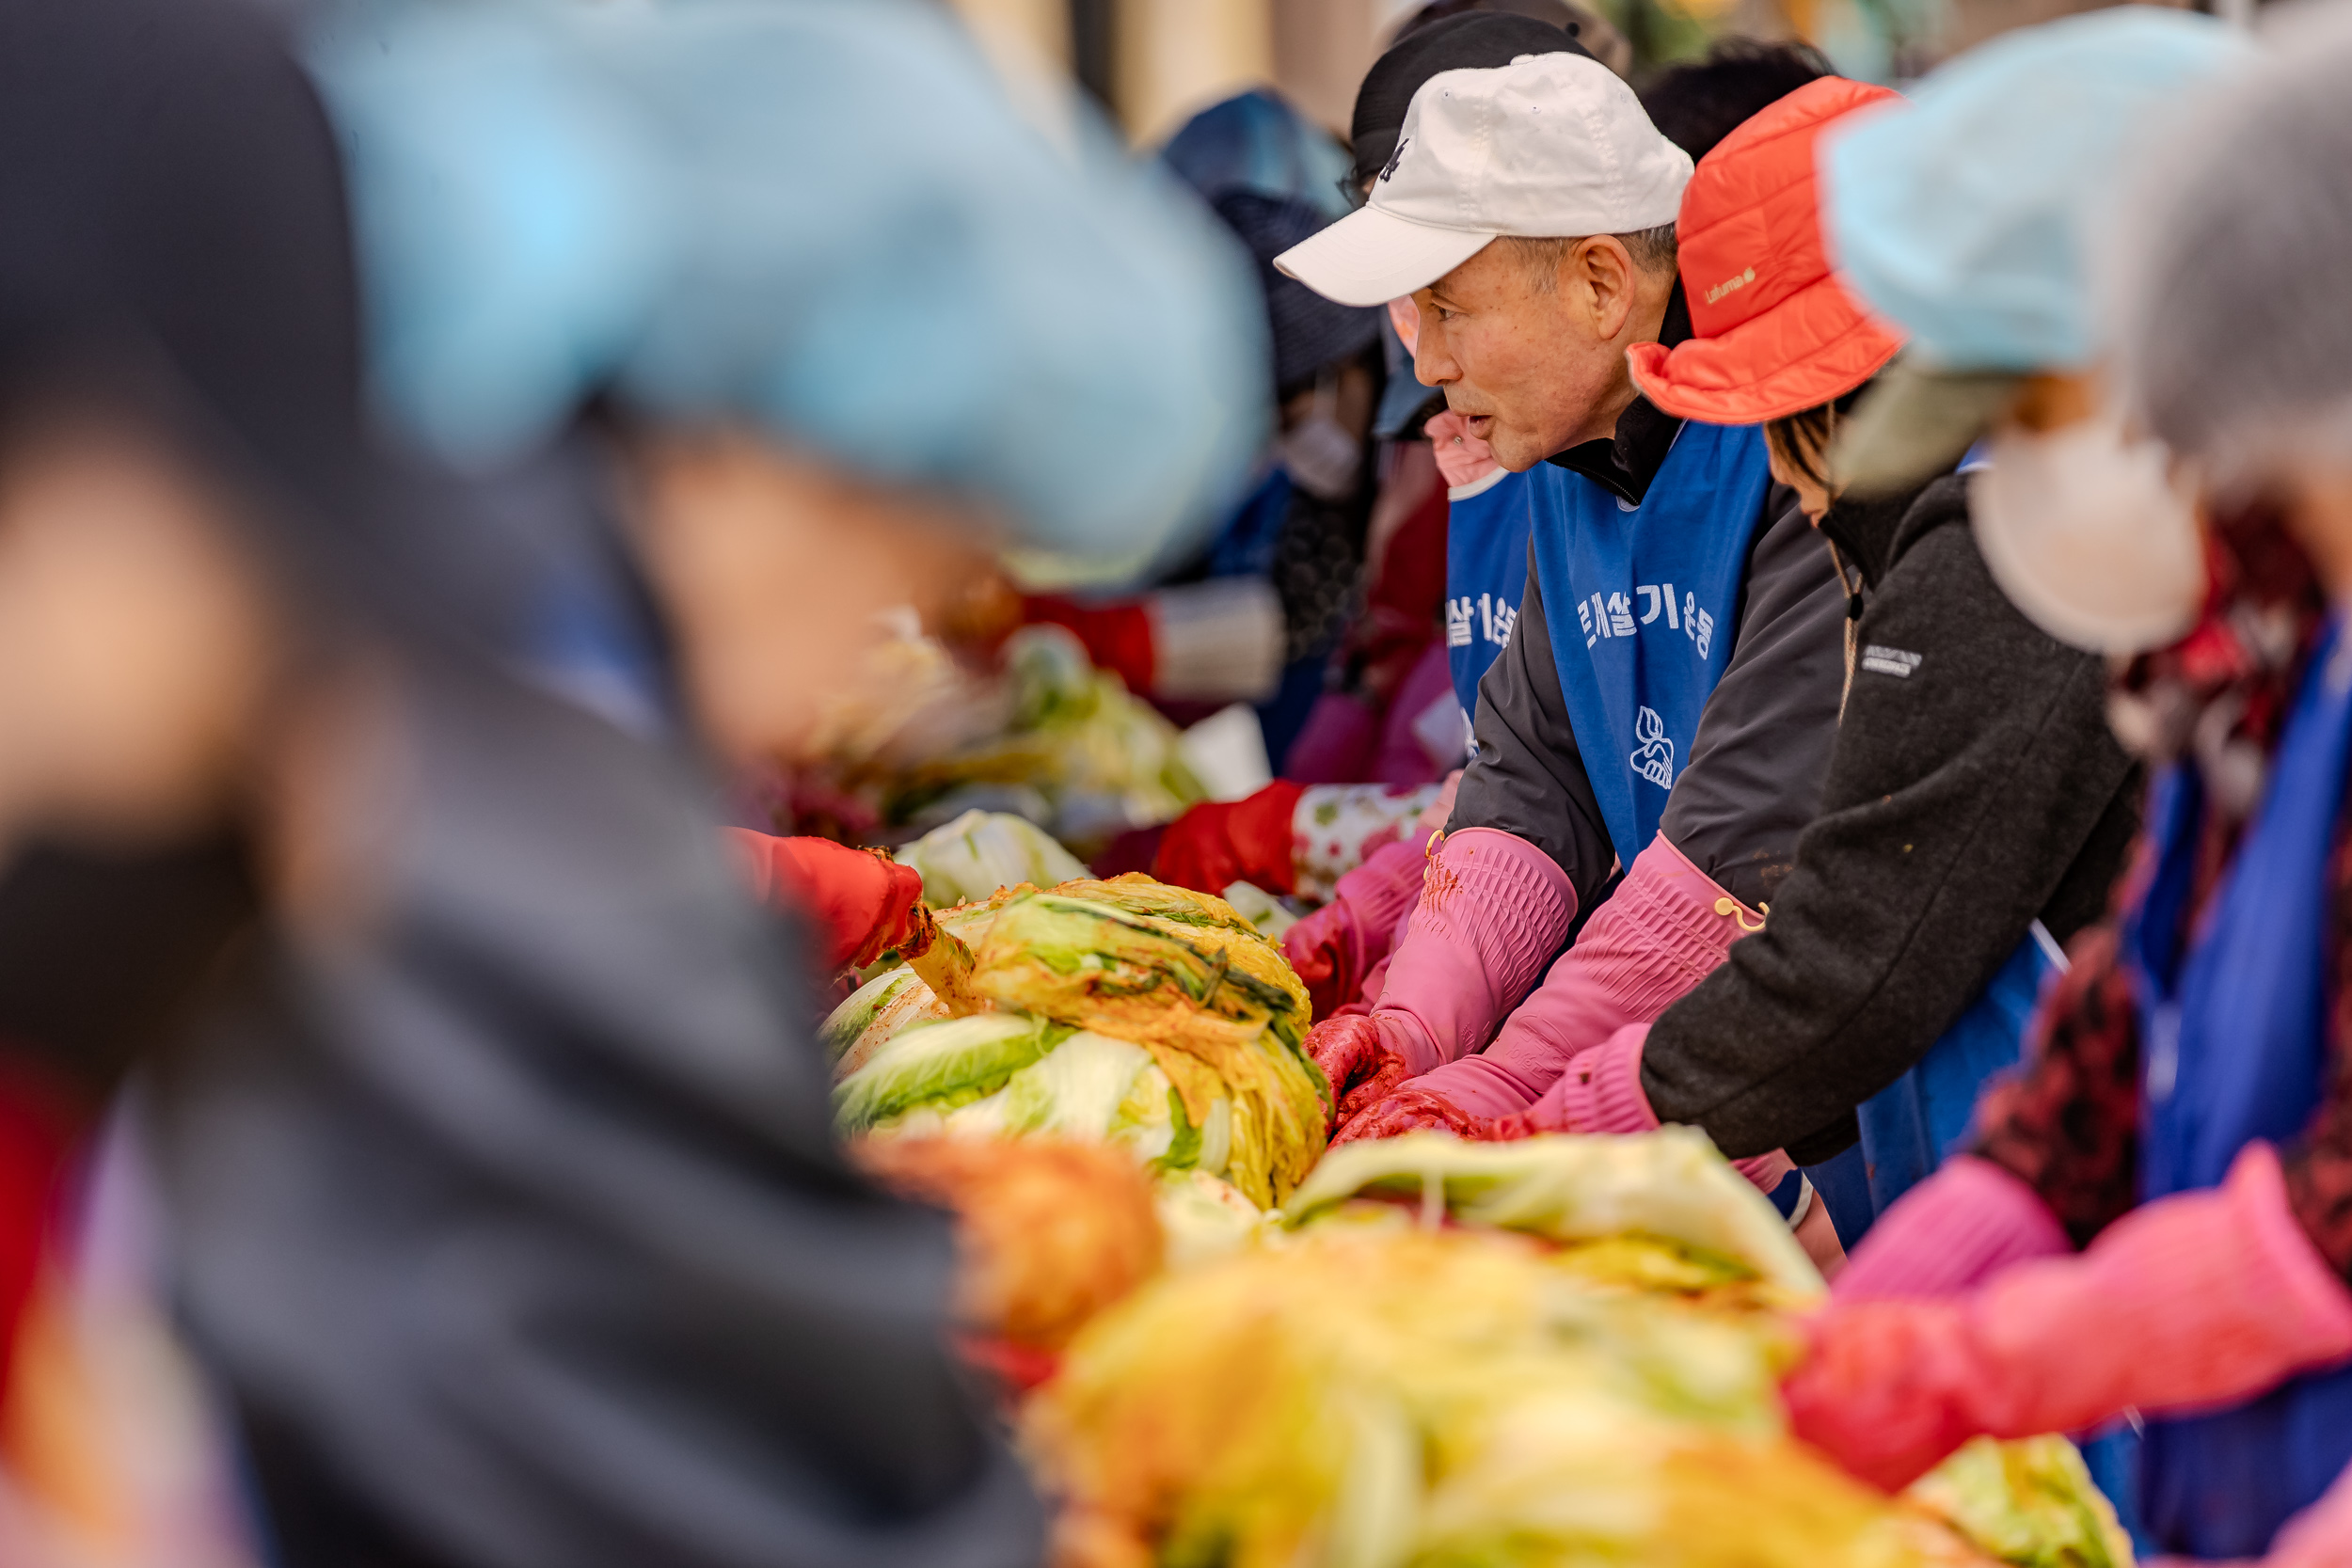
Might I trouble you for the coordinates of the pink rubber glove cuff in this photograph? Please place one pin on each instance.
(1601, 1092)
(1953, 1231)
(1493, 910)
(1480, 1086)
(1337, 947)
(1664, 929)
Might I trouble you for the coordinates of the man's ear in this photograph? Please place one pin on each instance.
(1600, 271)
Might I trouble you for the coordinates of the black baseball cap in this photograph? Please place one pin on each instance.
(1482, 41)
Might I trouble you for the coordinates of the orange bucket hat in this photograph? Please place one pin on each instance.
(1775, 332)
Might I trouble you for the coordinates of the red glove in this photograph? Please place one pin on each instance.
(863, 903)
(1220, 842)
(1118, 636)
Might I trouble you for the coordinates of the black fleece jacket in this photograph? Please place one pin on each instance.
(1974, 787)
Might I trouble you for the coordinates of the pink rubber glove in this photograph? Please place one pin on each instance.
(1377, 981)
(1493, 908)
(2197, 1300)
(1335, 948)
(1462, 458)
(1602, 1093)
(1950, 1233)
(1425, 827)
(1665, 928)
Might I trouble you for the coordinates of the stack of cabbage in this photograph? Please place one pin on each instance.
(1128, 1012)
(1560, 1352)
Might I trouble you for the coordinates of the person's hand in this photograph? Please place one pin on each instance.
(1817, 1234)
(2198, 1299)
(1464, 1097)
(1412, 1108)
(1359, 1060)
(1219, 842)
(1518, 1125)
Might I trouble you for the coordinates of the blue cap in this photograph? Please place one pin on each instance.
(821, 218)
(1254, 141)
(1965, 215)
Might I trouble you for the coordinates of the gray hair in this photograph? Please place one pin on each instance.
(2230, 277)
(1652, 249)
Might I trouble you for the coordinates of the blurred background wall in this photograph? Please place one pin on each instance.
(1154, 62)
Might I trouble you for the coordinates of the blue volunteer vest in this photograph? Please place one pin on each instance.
(2235, 1040)
(1911, 1125)
(1643, 604)
(1486, 574)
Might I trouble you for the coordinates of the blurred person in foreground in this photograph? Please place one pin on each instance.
(2150, 1217)
(1589, 731)
(499, 1185)
(686, 308)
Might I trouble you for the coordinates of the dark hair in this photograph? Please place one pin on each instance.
(1697, 105)
(1802, 440)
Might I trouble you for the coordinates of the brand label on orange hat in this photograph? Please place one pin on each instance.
(1741, 281)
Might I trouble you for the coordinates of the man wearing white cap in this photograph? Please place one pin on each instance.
(1529, 213)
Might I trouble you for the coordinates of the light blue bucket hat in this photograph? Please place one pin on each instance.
(824, 219)
(1966, 215)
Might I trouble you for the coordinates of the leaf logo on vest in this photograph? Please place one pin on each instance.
(1614, 616)
(1655, 759)
(1881, 660)
(1464, 617)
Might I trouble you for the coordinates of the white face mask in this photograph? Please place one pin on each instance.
(1320, 457)
(2086, 532)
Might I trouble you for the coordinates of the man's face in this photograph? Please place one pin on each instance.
(1536, 370)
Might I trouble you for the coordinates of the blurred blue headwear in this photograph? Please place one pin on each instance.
(1254, 141)
(822, 217)
(1965, 214)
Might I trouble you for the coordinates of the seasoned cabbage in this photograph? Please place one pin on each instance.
(941, 1066)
